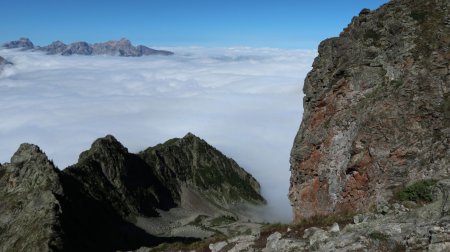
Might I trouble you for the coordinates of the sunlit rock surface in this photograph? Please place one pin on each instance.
(377, 110)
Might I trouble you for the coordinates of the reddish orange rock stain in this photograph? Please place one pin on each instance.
(309, 166)
(314, 200)
(355, 190)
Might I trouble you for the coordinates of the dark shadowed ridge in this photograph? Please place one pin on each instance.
(91, 205)
(196, 164)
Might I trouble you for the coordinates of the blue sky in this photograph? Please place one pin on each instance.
(207, 23)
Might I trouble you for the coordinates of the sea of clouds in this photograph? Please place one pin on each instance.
(246, 102)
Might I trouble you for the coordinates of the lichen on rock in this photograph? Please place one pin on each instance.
(375, 110)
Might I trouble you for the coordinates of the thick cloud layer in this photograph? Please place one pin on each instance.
(246, 102)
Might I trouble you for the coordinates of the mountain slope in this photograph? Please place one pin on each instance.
(93, 205)
(121, 177)
(191, 162)
(376, 110)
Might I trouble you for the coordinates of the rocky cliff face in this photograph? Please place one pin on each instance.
(29, 209)
(122, 47)
(93, 204)
(377, 110)
(121, 178)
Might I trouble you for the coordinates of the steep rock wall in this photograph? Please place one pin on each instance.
(377, 110)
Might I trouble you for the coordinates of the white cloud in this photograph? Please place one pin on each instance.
(244, 101)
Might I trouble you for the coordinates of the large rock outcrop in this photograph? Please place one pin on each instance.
(376, 110)
(29, 209)
(93, 205)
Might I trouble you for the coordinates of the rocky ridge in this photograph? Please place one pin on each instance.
(23, 43)
(97, 203)
(29, 187)
(376, 110)
(122, 47)
(189, 160)
(394, 228)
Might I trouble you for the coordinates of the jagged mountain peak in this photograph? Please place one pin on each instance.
(108, 155)
(196, 164)
(29, 187)
(190, 135)
(108, 141)
(57, 42)
(106, 150)
(27, 151)
(120, 42)
(22, 42)
(30, 163)
(121, 47)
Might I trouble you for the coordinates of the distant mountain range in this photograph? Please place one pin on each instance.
(122, 47)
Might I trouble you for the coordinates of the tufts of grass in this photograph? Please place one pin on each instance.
(222, 220)
(274, 227)
(419, 192)
(324, 221)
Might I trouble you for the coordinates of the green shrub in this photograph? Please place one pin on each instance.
(222, 220)
(419, 16)
(371, 34)
(420, 191)
(378, 236)
(396, 83)
(198, 220)
(2, 171)
(274, 227)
